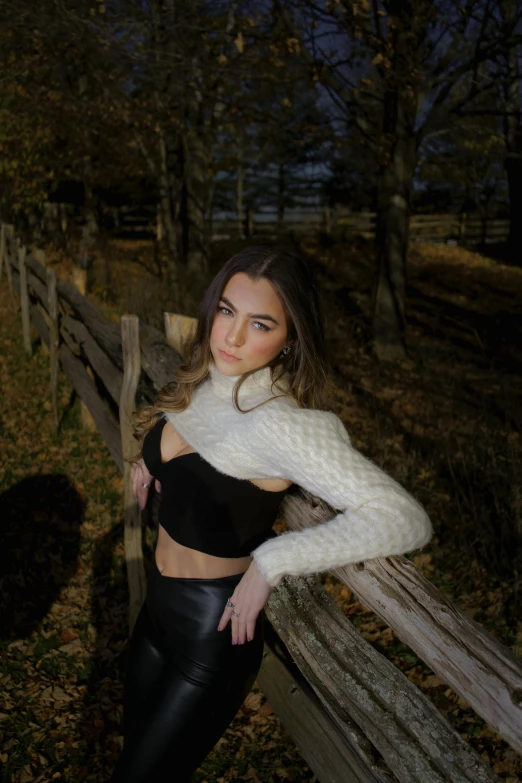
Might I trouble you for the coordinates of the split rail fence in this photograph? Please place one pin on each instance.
(338, 223)
(354, 716)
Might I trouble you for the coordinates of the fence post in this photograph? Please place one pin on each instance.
(52, 305)
(179, 329)
(79, 279)
(160, 232)
(130, 336)
(24, 300)
(39, 255)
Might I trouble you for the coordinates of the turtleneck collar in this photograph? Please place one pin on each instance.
(257, 385)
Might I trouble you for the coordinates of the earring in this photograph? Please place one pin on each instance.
(286, 350)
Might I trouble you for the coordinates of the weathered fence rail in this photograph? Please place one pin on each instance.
(354, 716)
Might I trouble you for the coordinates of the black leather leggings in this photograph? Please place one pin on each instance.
(185, 680)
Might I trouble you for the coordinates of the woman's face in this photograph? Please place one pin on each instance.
(249, 328)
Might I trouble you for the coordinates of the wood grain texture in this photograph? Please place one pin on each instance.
(179, 330)
(104, 368)
(159, 360)
(54, 340)
(107, 335)
(351, 678)
(460, 651)
(86, 389)
(24, 301)
(333, 756)
(38, 287)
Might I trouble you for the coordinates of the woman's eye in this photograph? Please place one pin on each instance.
(224, 310)
(262, 327)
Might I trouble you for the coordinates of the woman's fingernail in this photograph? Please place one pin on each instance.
(249, 638)
(233, 641)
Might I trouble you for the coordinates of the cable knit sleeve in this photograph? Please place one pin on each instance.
(377, 516)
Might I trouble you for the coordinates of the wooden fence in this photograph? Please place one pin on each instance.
(338, 223)
(354, 716)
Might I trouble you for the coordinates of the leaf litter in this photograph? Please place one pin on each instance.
(387, 410)
(63, 633)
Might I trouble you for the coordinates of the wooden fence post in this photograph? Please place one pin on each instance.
(24, 300)
(52, 305)
(39, 255)
(130, 335)
(179, 330)
(160, 232)
(79, 278)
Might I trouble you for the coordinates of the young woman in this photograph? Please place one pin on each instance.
(239, 425)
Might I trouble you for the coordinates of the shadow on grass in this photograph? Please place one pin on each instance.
(40, 525)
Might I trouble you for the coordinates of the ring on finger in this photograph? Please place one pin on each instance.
(230, 604)
(235, 614)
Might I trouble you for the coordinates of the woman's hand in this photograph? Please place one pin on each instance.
(248, 598)
(141, 482)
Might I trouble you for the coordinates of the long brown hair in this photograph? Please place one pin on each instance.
(304, 368)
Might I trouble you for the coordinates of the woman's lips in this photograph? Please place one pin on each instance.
(227, 356)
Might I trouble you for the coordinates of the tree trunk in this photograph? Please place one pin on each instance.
(170, 210)
(513, 133)
(197, 183)
(90, 228)
(240, 206)
(514, 177)
(280, 196)
(166, 95)
(513, 161)
(398, 161)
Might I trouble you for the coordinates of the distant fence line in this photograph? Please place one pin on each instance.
(338, 223)
(354, 716)
(342, 223)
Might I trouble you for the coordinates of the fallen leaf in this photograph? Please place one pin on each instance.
(68, 634)
(72, 648)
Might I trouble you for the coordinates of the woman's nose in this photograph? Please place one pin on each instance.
(235, 335)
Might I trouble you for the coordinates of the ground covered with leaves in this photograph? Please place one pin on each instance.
(63, 622)
(445, 422)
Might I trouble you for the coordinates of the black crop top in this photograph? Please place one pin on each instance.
(204, 509)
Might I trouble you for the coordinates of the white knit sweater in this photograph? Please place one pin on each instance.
(311, 448)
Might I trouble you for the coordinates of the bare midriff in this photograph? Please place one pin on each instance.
(176, 560)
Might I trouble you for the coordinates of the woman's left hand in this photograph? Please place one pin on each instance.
(248, 598)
